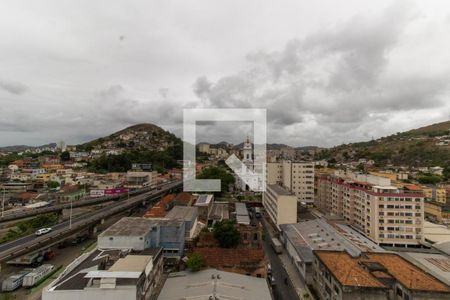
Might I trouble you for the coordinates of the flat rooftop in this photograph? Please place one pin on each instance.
(131, 263)
(135, 226)
(372, 269)
(436, 264)
(279, 190)
(211, 282)
(186, 213)
(319, 235)
(219, 211)
(75, 276)
(435, 233)
(203, 200)
(241, 209)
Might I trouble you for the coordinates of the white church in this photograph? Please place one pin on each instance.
(246, 179)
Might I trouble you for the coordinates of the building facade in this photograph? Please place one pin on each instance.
(280, 205)
(337, 275)
(297, 177)
(132, 233)
(385, 214)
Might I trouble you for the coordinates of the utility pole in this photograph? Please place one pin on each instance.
(3, 201)
(70, 215)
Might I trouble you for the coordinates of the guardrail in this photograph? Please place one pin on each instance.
(11, 216)
(56, 236)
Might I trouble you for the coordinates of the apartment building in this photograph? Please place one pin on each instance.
(203, 147)
(338, 275)
(297, 177)
(280, 205)
(139, 179)
(433, 193)
(301, 239)
(387, 215)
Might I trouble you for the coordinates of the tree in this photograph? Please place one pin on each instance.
(361, 168)
(195, 262)
(65, 156)
(226, 233)
(446, 172)
(218, 173)
(52, 184)
(429, 179)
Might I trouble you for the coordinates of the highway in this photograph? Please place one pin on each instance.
(25, 213)
(60, 231)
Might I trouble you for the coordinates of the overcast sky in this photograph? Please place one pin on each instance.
(327, 71)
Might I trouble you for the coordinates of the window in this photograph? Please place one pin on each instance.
(336, 289)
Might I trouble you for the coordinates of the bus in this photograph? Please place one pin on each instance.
(277, 246)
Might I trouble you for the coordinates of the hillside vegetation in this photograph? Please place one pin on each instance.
(418, 147)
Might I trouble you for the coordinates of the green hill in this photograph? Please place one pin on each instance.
(424, 146)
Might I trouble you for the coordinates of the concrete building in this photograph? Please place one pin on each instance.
(139, 179)
(384, 213)
(436, 264)
(204, 203)
(297, 177)
(110, 274)
(338, 275)
(301, 239)
(219, 212)
(436, 194)
(437, 211)
(280, 205)
(141, 233)
(241, 212)
(203, 148)
(435, 233)
(214, 284)
(187, 214)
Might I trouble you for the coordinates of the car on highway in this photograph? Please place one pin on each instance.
(43, 231)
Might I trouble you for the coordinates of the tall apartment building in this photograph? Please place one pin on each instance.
(386, 214)
(280, 205)
(297, 177)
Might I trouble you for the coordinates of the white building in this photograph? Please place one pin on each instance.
(297, 177)
(248, 176)
(107, 275)
(280, 204)
(386, 214)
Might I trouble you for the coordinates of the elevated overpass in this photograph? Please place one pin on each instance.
(63, 230)
(26, 213)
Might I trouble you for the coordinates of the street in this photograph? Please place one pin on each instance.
(281, 290)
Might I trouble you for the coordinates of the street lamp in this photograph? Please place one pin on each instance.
(3, 201)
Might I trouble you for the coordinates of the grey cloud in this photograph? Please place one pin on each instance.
(339, 77)
(13, 87)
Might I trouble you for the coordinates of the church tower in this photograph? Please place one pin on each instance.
(247, 152)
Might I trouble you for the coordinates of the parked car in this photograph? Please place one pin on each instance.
(272, 281)
(43, 231)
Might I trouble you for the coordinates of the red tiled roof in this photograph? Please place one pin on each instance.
(230, 257)
(184, 198)
(351, 272)
(159, 210)
(69, 188)
(25, 196)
